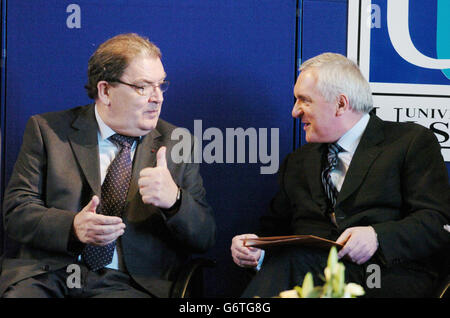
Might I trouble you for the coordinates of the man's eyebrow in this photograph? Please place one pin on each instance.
(303, 98)
(150, 82)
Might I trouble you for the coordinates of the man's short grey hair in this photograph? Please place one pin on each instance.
(337, 75)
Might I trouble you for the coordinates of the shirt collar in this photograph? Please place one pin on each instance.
(350, 140)
(104, 129)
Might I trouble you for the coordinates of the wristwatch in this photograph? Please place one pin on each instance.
(174, 208)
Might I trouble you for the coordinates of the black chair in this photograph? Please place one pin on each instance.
(443, 289)
(189, 283)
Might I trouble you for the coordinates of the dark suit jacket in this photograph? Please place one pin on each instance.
(397, 182)
(55, 176)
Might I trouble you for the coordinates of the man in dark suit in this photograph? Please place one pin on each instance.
(63, 188)
(379, 188)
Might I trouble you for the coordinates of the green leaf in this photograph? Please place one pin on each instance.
(299, 291)
(339, 280)
(316, 292)
(332, 259)
(308, 285)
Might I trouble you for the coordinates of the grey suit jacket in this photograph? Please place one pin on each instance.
(397, 182)
(55, 176)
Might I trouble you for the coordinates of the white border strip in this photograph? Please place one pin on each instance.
(352, 30)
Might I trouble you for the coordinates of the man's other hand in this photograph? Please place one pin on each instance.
(242, 255)
(96, 229)
(360, 243)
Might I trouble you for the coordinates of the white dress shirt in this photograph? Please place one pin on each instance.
(349, 142)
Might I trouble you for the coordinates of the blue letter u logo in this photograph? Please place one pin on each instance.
(443, 32)
(398, 29)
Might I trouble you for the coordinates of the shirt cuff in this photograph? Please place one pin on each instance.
(261, 259)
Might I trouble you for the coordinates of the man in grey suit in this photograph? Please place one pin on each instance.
(53, 205)
(379, 188)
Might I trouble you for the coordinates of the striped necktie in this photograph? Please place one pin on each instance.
(332, 160)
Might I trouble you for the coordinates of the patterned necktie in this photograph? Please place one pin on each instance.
(113, 197)
(330, 188)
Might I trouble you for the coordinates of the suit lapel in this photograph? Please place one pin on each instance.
(144, 157)
(366, 153)
(313, 165)
(84, 142)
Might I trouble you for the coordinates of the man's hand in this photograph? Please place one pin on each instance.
(360, 243)
(96, 229)
(242, 255)
(156, 185)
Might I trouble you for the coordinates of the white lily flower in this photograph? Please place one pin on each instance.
(289, 294)
(352, 289)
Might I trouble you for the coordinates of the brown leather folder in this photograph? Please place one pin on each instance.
(306, 240)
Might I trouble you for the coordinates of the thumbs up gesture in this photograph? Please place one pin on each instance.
(156, 185)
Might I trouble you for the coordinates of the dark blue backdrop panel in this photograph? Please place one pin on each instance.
(230, 63)
(2, 90)
(324, 29)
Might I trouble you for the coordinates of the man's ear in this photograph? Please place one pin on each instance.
(103, 92)
(343, 105)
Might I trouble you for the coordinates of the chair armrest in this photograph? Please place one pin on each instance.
(443, 287)
(190, 278)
